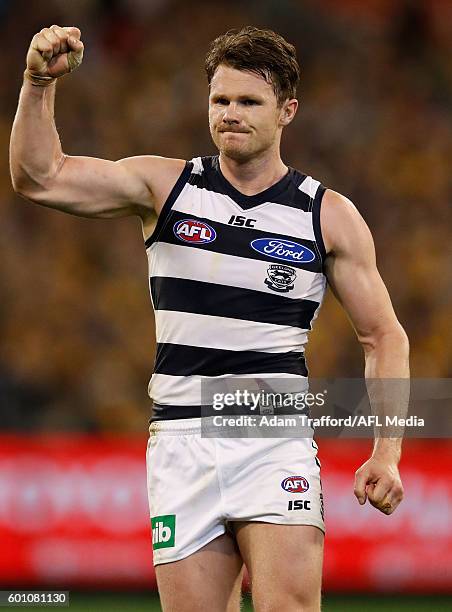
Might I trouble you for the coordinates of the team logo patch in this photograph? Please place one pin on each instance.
(163, 531)
(295, 484)
(280, 278)
(196, 232)
(286, 250)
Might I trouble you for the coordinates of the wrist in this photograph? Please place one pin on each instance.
(37, 79)
(388, 448)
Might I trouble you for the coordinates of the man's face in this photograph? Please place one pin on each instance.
(244, 116)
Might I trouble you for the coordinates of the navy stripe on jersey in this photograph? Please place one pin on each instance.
(316, 220)
(166, 209)
(283, 192)
(183, 360)
(183, 295)
(230, 241)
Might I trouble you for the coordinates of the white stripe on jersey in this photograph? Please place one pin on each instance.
(226, 333)
(186, 390)
(210, 267)
(291, 221)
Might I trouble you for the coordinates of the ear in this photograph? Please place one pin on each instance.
(288, 110)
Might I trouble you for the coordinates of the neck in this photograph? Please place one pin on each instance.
(253, 175)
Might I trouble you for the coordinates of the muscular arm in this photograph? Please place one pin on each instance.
(83, 186)
(354, 278)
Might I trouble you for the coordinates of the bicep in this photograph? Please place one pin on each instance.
(91, 187)
(352, 273)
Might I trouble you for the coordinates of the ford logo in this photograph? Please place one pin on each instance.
(295, 484)
(286, 250)
(196, 232)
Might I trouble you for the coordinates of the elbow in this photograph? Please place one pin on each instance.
(20, 185)
(22, 182)
(17, 178)
(26, 190)
(394, 335)
(30, 187)
(34, 184)
(21, 177)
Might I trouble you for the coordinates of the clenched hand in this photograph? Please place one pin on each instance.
(53, 52)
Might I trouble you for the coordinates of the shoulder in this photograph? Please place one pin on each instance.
(343, 227)
(153, 167)
(158, 174)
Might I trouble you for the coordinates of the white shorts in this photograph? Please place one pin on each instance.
(197, 485)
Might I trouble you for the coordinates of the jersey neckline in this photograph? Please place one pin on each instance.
(243, 200)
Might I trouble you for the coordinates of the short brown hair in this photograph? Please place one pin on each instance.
(260, 51)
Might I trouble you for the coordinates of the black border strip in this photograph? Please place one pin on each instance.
(170, 412)
(316, 220)
(164, 213)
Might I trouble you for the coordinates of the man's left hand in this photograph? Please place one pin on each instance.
(379, 481)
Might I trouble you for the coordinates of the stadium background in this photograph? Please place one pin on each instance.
(76, 327)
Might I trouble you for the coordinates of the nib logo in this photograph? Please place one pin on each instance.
(163, 531)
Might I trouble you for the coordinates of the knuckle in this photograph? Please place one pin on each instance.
(397, 489)
(59, 32)
(44, 45)
(72, 31)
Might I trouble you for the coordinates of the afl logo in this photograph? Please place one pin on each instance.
(286, 250)
(295, 484)
(196, 232)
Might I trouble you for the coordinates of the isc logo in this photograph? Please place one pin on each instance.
(163, 531)
(299, 504)
(295, 484)
(196, 232)
(241, 221)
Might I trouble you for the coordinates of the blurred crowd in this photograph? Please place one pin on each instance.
(76, 326)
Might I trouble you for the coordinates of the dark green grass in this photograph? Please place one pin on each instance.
(149, 602)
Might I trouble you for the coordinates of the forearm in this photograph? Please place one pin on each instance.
(387, 378)
(35, 148)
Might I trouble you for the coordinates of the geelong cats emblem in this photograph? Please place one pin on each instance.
(280, 278)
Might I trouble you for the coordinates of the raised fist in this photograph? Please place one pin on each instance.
(53, 52)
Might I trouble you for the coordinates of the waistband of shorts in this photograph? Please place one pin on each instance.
(202, 426)
(176, 427)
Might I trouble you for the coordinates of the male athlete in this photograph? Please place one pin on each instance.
(238, 262)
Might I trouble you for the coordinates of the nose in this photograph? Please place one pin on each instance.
(230, 114)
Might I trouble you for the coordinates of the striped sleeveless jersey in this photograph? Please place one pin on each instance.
(236, 282)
